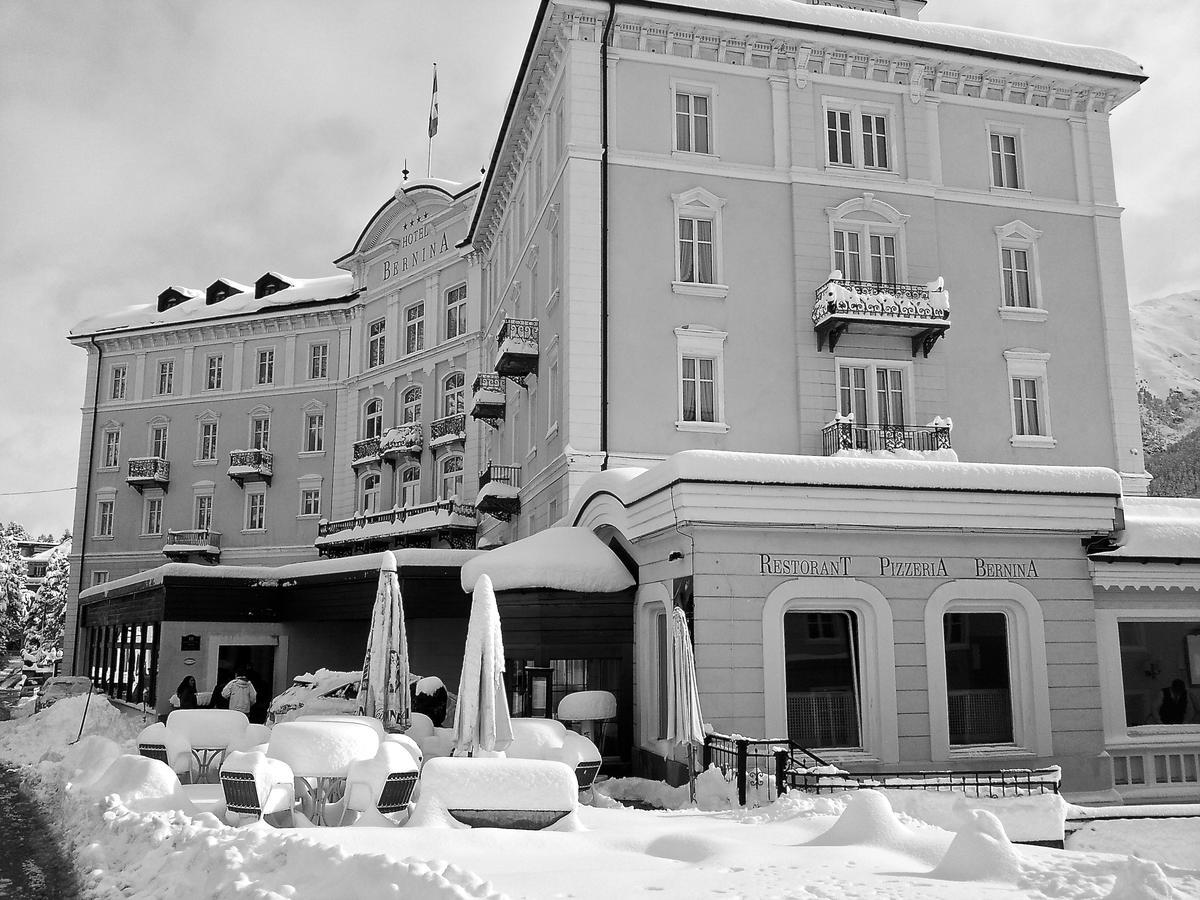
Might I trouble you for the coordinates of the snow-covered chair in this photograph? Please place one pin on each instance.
(383, 784)
(159, 742)
(255, 737)
(549, 739)
(413, 748)
(582, 755)
(210, 732)
(256, 785)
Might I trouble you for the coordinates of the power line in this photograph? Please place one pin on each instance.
(25, 493)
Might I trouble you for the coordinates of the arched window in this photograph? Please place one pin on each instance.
(451, 476)
(412, 405)
(408, 486)
(368, 493)
(373, 418)
(867, 241)
(453, 394)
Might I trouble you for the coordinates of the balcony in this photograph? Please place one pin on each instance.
(401, 441)
(448, 430)
(203, 543)
(518, 348)
(918, 312)
(845, 436)
(365, 452)
(499, 491)
(487, 398)
(148, 471)
(442, 523)
(250, 465)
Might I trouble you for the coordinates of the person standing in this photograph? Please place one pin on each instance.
(185, 694)
(240, 693)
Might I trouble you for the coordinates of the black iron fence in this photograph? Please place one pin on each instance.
(852, 436)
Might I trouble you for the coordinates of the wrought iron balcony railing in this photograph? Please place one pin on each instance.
(487, 397)
(402, 440)
(200, 541)
(250, 465)
(518, 348)
(839, 436)
(510, 475)
(920, 312)
(450, 521)
(148, 471)
(448, 429)
(365, 451)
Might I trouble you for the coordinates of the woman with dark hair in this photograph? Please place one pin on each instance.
(185, 694)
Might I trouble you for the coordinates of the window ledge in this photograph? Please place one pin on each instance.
(108, 468)
(307, 516)
(697, 289)
(552, 299)
(147, 537)
(1041, 441)
(1151, 735)
(102, 537)
(987, 751)
(1010, 191)
(1023, 313)
(531, 454)
(204, 462)
(881, 174)
(304, 454)
(709, 427)
(254, 531)
(552, 431)
(695, 154)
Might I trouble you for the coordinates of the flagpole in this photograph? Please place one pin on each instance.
(433, 124)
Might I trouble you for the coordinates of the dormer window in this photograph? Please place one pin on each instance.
(270, 283)
(221, 289)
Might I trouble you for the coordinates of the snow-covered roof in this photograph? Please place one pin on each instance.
(410, 557)
(1159, 528)
(146, 315)
(565, 559)
(940, 35)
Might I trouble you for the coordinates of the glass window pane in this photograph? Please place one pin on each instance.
(977, 678)
(822, 679)
(1158, 660)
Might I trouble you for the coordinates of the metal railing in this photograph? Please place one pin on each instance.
(518, 330)
(149, 468)
(872, 299)
(365, 450)
(395, 516)
(448, 426)
(261, 460)
(853, 436)
(194, 537)
(488, 382)
(510, 475)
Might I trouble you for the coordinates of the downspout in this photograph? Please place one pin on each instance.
(612, 12)
(87, 494)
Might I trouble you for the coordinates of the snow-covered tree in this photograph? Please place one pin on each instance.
(12, 583)
(46, 614)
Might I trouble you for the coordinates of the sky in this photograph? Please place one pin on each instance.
(153, 142)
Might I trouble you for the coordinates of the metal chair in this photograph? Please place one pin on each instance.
(242, 789)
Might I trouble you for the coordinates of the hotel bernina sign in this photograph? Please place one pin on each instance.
(894, 567)
(414, 248)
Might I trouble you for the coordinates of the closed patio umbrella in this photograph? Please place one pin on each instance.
(481, 720)
(383, 691)
(685, 725)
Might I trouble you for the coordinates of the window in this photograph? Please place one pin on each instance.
(873, 392)
(453, 394)
(414, 328)
(318, 361)
(822, 678)
(377, 343)
(698, 239)
(310, 501)
(867, 241)
(208, 441)
(451, 481)
(152, 517)
(531, 437)
(368, 493)
(112, 449)
(314, 432)
(100, 576)
(158, 441)
(992, 686)
(1160, 666)
(409, 493)
(456, 312)
(1020, 283)
(1030, 402)
(166, 376)
(373, 418)
(411, 405)
(560, 132)
(858, 135)
(260, 432)
(553, 391)
(265, 370)
(202, 517)
(214, 372)
(701, 402)
(256, 511)
(117, 388)
(1006, 159)
(555, 263)
(104, 517)
(693, 120)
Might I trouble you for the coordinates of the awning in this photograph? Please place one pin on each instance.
(564, 559)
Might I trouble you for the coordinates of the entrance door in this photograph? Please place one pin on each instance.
(258, 662)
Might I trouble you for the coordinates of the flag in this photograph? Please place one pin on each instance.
(433, 110)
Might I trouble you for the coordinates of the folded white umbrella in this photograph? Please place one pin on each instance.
(481, 718)
(383, 691)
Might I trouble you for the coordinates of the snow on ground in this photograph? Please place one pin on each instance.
(134, 835)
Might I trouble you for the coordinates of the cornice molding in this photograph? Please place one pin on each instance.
(192, 334)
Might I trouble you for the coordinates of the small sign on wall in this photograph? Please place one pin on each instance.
(189, 660)
(189, 642)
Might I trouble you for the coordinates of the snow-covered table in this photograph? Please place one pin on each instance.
(320, 753)
(211, 732)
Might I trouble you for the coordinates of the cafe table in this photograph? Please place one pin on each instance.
(210, 732)
(320, 753)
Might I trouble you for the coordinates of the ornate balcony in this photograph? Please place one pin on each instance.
(148, 471)
(250, 465)
(518, 348)
(487, 398)
(499, 490)
(448, 430)
(443, 523)
(365, 452)
(402, 441)
(919, 312)
(197, 542)
(844, 434)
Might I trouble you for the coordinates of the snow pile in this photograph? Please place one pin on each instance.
(1175, 842)
(565, 559)
(458, 783)
(583, 706)
(25, 741)
(981, 851)
(429, 685)
(1037, 817)
(85, 762)
(322, 747)
(644, 792)
(142, 784)
(1141, 879)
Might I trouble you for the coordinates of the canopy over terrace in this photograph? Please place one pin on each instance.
(180, 619)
